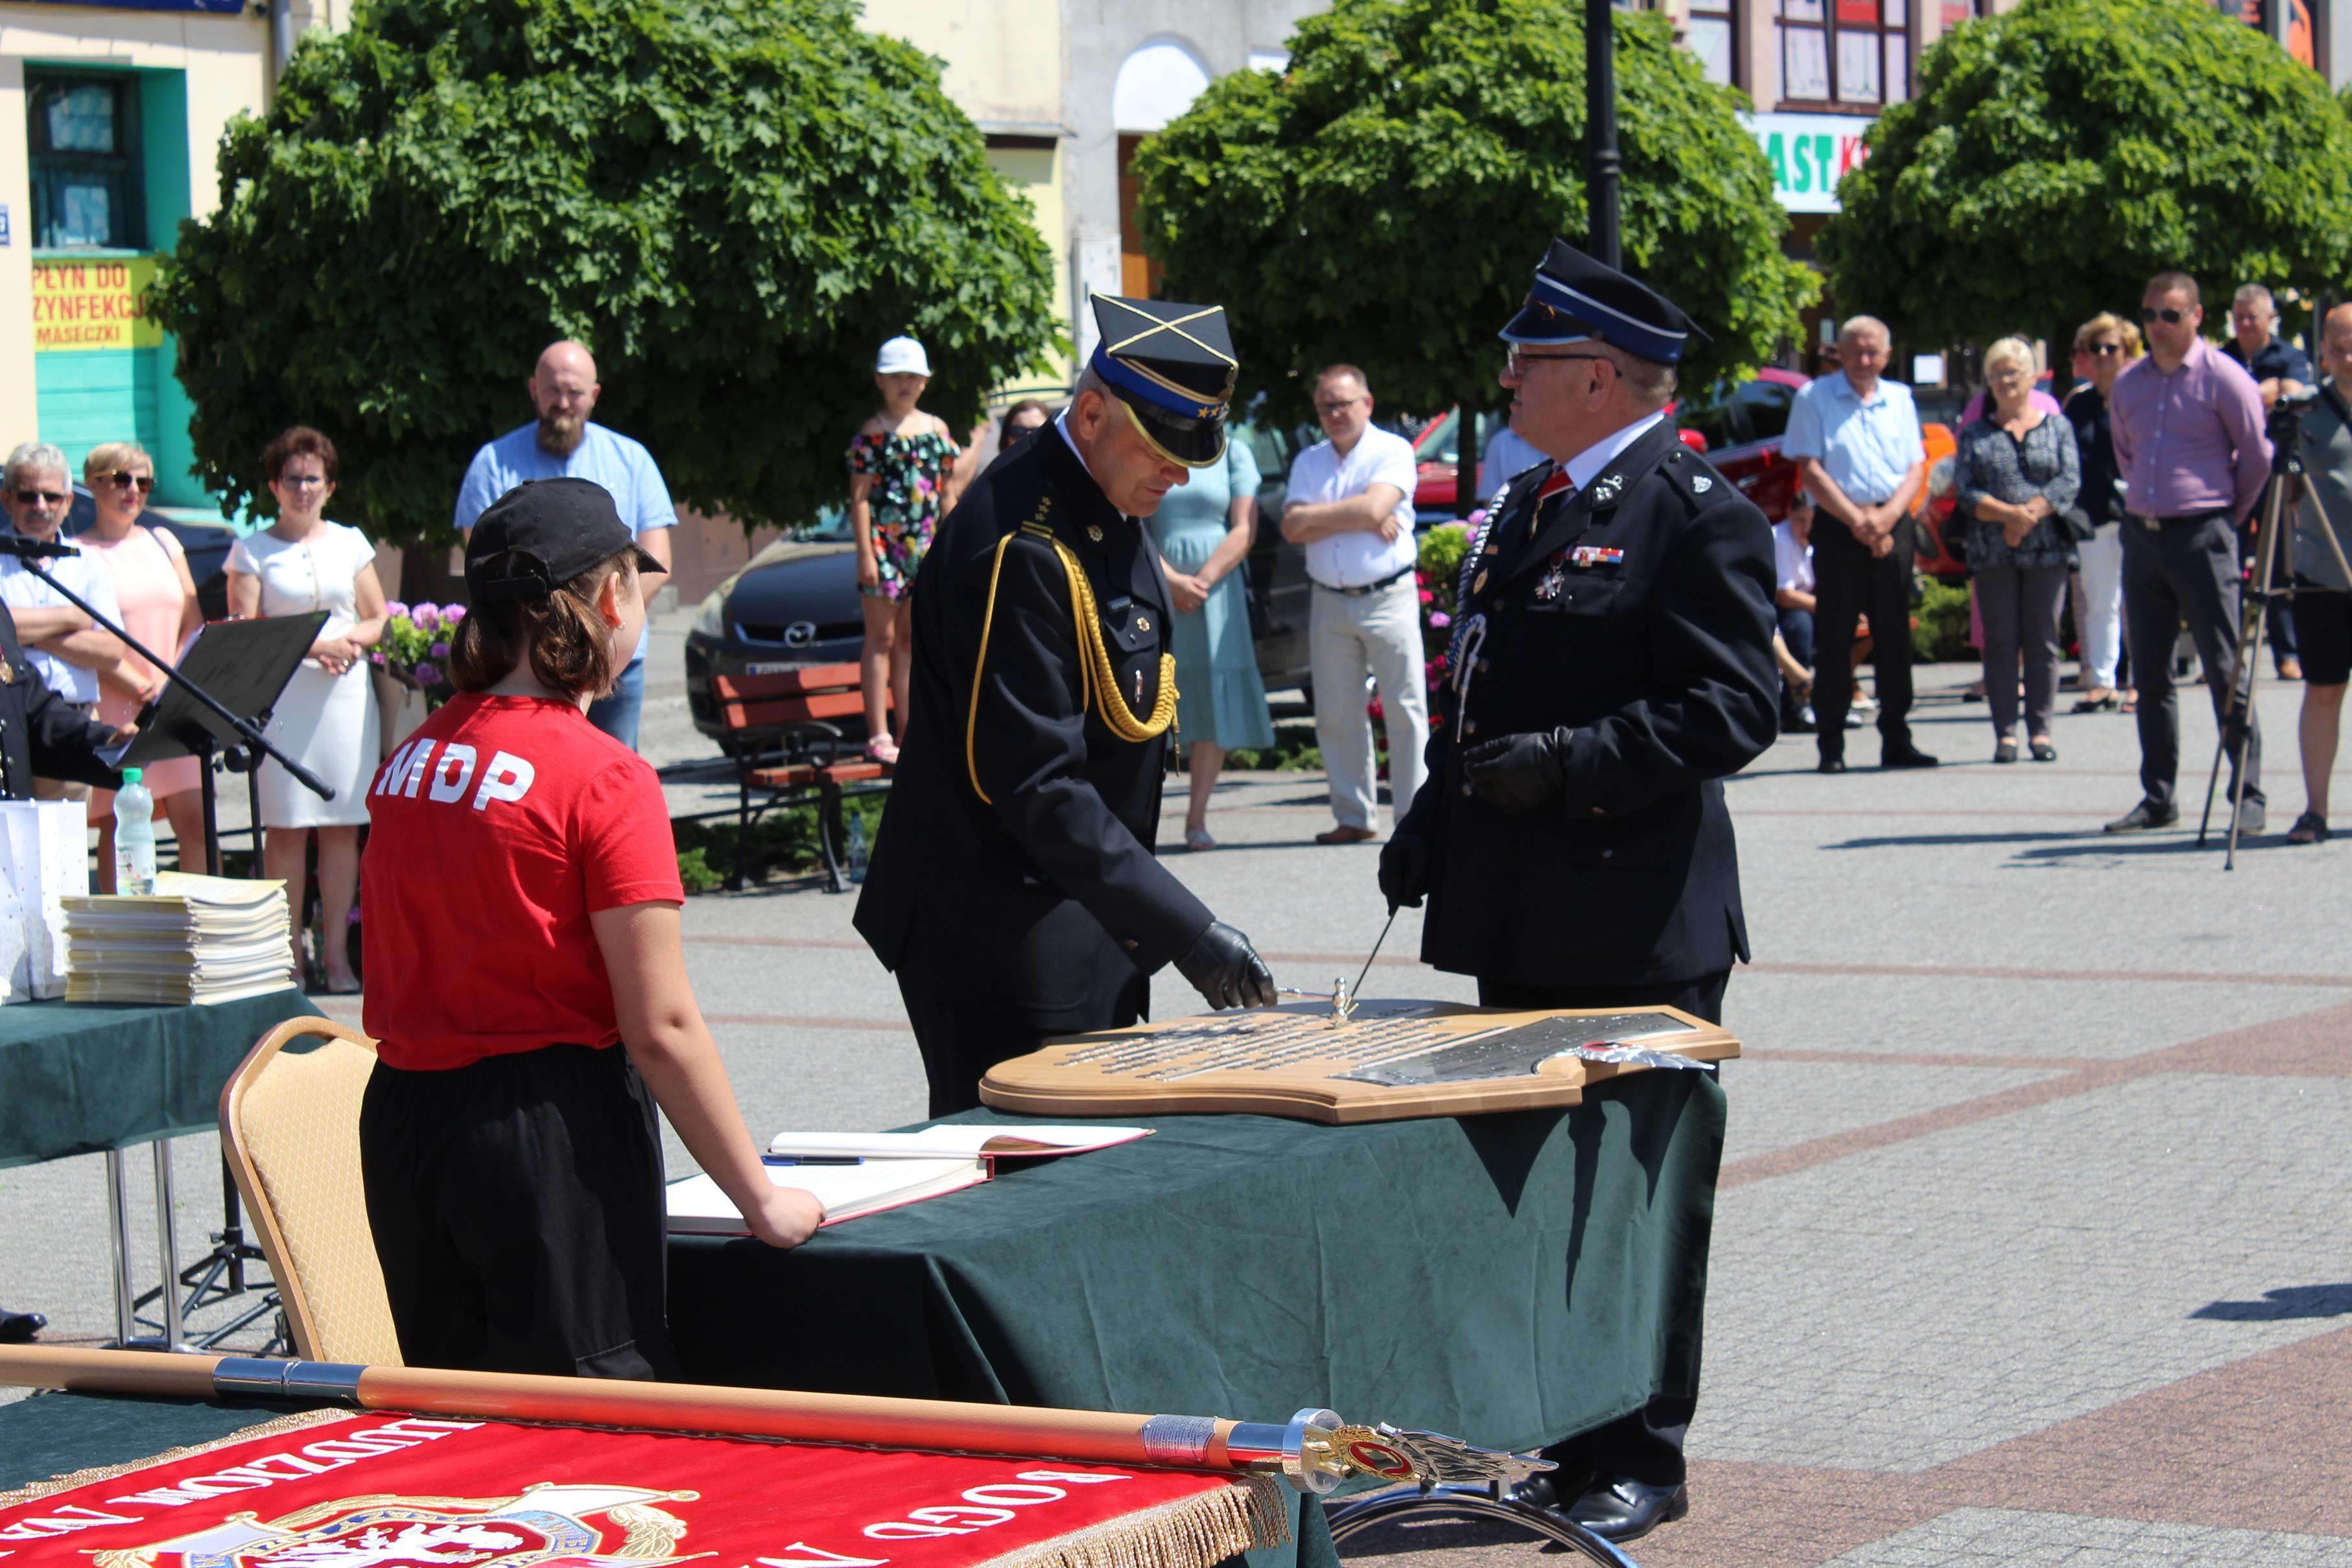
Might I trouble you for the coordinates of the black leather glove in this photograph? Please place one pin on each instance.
(1224, 969)
(1404, 872)
(1519, 772)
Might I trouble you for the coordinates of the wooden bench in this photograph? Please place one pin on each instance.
(788, 749)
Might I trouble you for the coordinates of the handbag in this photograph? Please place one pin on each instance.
(2075, 525)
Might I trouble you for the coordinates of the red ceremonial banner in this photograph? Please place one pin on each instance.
(409, 1491)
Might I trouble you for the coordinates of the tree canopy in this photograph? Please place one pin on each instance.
(731, 202)
(2060, 154)
(1385, 200)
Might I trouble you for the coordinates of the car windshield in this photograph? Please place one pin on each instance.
(832, 523)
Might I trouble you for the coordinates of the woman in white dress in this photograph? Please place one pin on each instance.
(326, 721)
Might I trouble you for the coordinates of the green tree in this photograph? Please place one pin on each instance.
(1385, 200)
(2058, 155)
(731, 202)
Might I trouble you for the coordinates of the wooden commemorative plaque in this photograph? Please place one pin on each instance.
(1390, 1061)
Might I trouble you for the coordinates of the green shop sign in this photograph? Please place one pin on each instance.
(1810, 154)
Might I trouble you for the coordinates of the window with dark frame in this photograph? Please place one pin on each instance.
(1710, 35)
(1844, 53)
(82, 138)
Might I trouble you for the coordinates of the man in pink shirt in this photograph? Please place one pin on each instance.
(2188, 429)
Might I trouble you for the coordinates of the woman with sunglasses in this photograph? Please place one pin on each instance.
(158, 598)
(2104, 346)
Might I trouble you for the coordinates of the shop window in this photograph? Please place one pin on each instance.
(83, 137)
(1852, 54)
(1708, 36)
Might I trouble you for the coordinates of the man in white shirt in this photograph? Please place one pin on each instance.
(1350, 504)
(64, 645)
(1793, 604)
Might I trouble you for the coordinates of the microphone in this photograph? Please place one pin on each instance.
(24, 548)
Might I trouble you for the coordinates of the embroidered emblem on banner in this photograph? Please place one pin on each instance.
(546, 1523)
(1597, 555)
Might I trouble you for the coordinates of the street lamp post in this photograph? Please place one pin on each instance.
(1600, 134)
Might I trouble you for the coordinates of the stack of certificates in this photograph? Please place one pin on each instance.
(194, 939)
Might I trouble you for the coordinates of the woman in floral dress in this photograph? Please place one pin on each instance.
(902, 483)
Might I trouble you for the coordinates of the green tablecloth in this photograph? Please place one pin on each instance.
(1508, 1279)
(76, 1078)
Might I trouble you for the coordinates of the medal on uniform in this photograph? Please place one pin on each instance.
(1143, 623)
(1478, 583)
(1094, 532)
(1597, 555)
(7, 674)
(1551, 582)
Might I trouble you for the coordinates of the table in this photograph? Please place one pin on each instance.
(78, 1078)
(1512, 1279)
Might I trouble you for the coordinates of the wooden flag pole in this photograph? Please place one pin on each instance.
(1315, 1451)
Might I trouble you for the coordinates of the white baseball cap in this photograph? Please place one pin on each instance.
(902, 356)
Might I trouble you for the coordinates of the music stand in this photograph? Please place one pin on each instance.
(243, 667)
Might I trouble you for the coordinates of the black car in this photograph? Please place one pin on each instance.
(795, 602)
(206, 544)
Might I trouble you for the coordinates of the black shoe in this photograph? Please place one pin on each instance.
(2311, 828)
(1830, 765)
(15, 1328)
(1627, 1511)
(2004, 750)
(1909, 756)
(2145, 818)
(2251, 817)
(2043, 751)
(1798, 722)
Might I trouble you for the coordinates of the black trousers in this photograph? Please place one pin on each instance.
(1848, 582)
(1797, 630)
(1647, 1444)
(2183, 571)
(961, 1038)
(516, 1206)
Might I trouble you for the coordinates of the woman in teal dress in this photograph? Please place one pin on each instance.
(1204, 529)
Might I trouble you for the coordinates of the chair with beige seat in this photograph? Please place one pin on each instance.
(291, 1126)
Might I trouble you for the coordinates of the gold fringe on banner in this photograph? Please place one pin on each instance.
(298, 1421)
(1191, 1532)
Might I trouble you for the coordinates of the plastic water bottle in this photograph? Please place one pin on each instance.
(857, 854)
(134, 836)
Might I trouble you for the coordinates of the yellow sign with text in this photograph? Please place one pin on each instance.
(80, 305)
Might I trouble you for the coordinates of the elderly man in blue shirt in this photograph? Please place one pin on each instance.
(563, 443)
(1855, 439)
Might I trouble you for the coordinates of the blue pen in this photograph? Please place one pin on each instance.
(812, 1159)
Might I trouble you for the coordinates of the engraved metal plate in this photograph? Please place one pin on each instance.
(1510, 1053)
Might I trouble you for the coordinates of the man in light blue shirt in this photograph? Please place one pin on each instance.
(1855, 440)
(563, 443)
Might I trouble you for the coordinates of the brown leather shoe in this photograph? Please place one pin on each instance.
(1344, 834)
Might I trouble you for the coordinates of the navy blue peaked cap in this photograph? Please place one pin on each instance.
(1172, 366)
(1576, 297)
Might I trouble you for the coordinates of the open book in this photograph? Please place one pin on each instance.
(697, 1207)
(955, 1141)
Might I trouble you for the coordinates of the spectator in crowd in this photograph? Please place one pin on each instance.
(1793, 605)
(902, 483)
(2104, 346)
(2014, 475)
(1350, 504)
(66, 648)
(325, 719)
(1508, 453)
(2280, 370)
(1856, 442)
(1022, 417)
(2186, 423)
(564, 442)
(2324, 585)
(1203, 530)
(158, 599)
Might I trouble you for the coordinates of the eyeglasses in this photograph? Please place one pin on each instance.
(1517, 360)
(122, 479)
(301, 481)
(38, 498)
(2104, 350)
(1339, 406)
(2171, 318)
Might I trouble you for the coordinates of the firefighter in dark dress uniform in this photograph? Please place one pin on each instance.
(40, 733)
(1013, 889)
(1613, 661)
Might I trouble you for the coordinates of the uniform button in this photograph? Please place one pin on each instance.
(1482, 666)
(1599, 812)
(1130, 944)
(1607, 853)
(1469, 726)
(1465, 789)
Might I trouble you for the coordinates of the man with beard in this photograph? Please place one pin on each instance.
(562, 443)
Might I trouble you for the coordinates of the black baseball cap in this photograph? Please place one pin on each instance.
(549, 531)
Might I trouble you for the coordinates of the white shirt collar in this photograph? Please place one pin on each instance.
(1586, 466)
(1061, 423)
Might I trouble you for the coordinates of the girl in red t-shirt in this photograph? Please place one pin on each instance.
(522, 907)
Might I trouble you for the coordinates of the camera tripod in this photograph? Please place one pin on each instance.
(2274, 542)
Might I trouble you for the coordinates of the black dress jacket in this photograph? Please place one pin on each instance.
(41, 733)
(1015, 864)
(1636, 613)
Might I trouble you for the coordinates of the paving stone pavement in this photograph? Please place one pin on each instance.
(2032, 1246)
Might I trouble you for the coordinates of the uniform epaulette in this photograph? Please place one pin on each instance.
(1696, 477)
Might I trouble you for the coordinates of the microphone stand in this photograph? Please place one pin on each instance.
(231, 1251)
